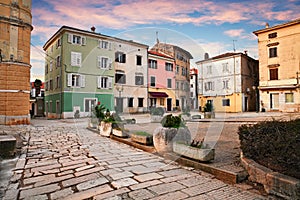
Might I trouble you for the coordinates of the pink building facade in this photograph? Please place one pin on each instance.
(161, 80)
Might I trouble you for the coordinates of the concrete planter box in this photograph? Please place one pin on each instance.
(142, 139)
(195, 153)
(119, 133)
(209, 115)
(105, 128)
(163, 138)
(7, 146)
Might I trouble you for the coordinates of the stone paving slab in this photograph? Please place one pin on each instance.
(105, 169)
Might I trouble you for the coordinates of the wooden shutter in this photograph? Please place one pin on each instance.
(83, 41)
(69, 79)
(110, 80)
(109, 46)
(70, 38)
(100, 43)
(109, 63)
(99, 61)
(82, 80)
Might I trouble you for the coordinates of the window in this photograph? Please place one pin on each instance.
(130, 102)
(89, 104)
(273, 74)
(57, 82)
(192, 94)
(289, 97)
(209, 69)
(51, 85)
(120, 57)
(272, 35)
(104, 62)
(184, 71)
(139, 79)
(139, 60)
(120, 77)
(58, 61)
(192, 86)
(177, 69)
(51, 66)
(152, 64)
(209, 86)
(182, 86)
(169, 83)
(225, 102)
(46, 69)
(273, 52)
(76, 39)
(177, 85)
(76, 80)
(58, 43)
(104, 44)
(76, 59)
(226, 84)
(104, 82)
(169, 67)
(152, 81)
(140, 102)
(225, 67)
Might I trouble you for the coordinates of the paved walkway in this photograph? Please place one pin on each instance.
(63, 160)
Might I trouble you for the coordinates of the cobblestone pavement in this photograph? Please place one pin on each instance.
(63, 160)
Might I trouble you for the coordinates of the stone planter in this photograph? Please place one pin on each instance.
(93, 123)
(105, 128)
(195, 153)
(209, 115)
(156, 118)
(163, 138)
(142, 139)
(119, 133)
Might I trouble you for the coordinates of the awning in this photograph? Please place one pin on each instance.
(158, 94)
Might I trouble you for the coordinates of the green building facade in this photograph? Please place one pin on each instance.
(79, 73)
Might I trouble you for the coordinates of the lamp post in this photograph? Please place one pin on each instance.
(119, 99)
(255, 88)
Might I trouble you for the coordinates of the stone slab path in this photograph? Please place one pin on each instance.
(63, 161)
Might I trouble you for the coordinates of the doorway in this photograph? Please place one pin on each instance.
(274, 101)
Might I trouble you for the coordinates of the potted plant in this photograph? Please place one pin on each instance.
(197, 150)
(157, 114)
(117, 126)
(104, 119)
(209, 111)
(173, 129)
(142, 138)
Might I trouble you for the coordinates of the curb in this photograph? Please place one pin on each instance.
(274, 183)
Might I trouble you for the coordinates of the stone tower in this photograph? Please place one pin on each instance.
(15, 33)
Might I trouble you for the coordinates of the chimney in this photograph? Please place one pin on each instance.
(246, 52)
(93, 29)
(206, 56)
(267, 25)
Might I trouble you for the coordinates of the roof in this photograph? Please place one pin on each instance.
(159, 45)
(159, 54)
(297, 21)
(91, 33)
(225, 55)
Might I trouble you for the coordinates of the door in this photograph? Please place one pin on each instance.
(245, 104)
(119, 104)
(274, 101)
(169, 104)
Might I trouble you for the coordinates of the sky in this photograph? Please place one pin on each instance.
(198, 26)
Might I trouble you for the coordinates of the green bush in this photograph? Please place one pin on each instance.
(171, 121)
(274, 144)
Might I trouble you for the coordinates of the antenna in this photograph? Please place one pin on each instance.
(233, 45)
(157, 40)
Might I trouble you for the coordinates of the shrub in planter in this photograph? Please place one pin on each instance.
(273, 144)
(173, 129)
(209, 110)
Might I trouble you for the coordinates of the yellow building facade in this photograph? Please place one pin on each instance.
(15, 33)
(279, 67)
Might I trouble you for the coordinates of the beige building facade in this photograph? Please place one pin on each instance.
(279, 67)
(15, 33)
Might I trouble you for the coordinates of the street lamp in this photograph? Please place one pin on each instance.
(255, 88)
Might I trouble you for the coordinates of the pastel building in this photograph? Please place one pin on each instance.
(161, 80)
(15, 33)
(279, 67)
(83, 68)
(194, 88)
(228, 81)
(182, 69)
